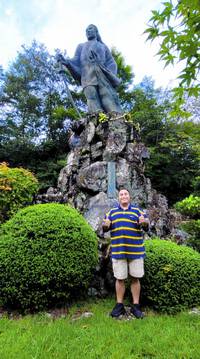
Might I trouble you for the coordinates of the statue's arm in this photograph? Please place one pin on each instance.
(110, 62)
(77, 56)
(74, 60)
(73, 64)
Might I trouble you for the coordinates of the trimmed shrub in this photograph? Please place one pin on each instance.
(47, 254)
(172, 276)
(189, 206)
(17, 188)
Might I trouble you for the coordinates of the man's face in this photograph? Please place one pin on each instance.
(91, 32)
(124, 197)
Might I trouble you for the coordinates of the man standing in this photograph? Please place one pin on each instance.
(95, 68)
(127, 250)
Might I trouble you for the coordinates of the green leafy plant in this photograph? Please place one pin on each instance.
(47, 254)
(193, 228)
(176, 25)
(196, 185)
(17, 188)
(189, 206)
(172, 276)
(102, 117)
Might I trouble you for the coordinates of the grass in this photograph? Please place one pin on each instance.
(100, 336)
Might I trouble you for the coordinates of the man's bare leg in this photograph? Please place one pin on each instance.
(120, 290)
(119, 307)
(135, 290)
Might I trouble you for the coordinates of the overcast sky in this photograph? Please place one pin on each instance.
(62, 23)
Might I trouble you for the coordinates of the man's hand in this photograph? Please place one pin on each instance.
(106, 223)
(143, 221)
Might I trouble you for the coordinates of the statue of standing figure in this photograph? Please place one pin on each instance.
(96, 70)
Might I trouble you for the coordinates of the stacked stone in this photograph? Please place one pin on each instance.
(83, 182)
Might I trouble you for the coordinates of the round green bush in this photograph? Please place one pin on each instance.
(172, 276)
(47, 255)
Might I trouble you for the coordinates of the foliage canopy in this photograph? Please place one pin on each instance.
(177, 26)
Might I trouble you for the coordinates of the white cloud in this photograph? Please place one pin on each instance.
(10, 39)
(8, 11)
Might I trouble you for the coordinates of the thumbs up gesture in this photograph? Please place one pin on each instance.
(106, 223)
(143, 221)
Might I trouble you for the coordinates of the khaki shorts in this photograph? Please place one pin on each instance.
(121, 268)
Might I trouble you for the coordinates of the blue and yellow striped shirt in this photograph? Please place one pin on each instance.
(126, 235)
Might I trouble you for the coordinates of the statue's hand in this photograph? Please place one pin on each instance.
(93, 56)
(61, 59)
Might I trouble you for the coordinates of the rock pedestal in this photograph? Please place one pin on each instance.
(83, 182)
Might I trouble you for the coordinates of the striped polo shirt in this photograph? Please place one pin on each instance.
(126, 235)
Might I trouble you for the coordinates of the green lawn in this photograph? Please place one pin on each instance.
(100, 336)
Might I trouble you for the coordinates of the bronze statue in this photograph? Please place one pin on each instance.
(96, 70)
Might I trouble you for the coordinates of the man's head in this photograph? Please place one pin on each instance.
(124, 197)
(92, 33)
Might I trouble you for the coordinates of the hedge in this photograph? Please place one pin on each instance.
(172, 276)
(47, 255)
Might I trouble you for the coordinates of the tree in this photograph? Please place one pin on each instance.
(192, 105)
(126, 74)
(177, 26)
(173, 164)
(35, 112)
(174, 146)
(149, 111)
(31, 95)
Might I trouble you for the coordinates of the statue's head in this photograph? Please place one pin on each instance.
(92, 33)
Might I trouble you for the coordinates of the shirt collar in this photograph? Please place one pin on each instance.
(129, 207)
